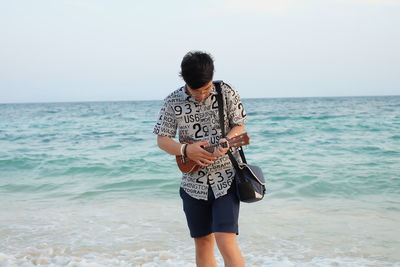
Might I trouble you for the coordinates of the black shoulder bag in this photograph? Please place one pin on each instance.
(249, 179)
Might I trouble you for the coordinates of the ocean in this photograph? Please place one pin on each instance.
(84, 184)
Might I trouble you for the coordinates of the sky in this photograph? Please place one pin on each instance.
(98, 50)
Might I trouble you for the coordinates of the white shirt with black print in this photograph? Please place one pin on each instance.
(199, 121)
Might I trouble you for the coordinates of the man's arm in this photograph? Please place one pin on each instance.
(193, 151)
(238, 129)
(167, 144)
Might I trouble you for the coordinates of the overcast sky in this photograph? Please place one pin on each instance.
(96, 50)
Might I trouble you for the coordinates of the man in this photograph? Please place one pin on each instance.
(209, 193)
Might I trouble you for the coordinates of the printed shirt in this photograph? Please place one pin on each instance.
(199, 121)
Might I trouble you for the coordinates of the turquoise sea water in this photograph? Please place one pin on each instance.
(332, 165)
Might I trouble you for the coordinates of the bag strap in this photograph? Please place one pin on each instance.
(222, 124)
(220, 107)
(241, 152)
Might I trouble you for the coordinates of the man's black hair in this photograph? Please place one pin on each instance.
(197, 69)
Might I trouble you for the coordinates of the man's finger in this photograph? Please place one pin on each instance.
(212, 157)
(206, 153)
(204, 162)
(198, 162)
(207, 161)
(203, 143)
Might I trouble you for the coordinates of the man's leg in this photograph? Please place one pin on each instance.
(229, 248)
(205, 251)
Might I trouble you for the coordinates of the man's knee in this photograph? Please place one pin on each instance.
(226, 241)
(228, 246)
(205, 241)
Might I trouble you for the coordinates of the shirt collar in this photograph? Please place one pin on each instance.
(190, 98)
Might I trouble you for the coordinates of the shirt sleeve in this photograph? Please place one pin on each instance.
(166, 124)
(236, 112)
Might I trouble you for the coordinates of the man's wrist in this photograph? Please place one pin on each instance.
(181, 149)
(185, 150)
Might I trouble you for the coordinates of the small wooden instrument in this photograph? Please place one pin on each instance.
(187, 165)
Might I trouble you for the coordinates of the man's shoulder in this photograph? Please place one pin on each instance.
(223, 84)
(228, 89)
(177, 96)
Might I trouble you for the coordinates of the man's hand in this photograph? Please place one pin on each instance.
(220, 151)
(199, 155)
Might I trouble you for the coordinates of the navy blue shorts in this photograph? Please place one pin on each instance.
(213, 215)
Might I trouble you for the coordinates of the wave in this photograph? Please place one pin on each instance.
(395, 137)
(111, 147)
(28, 188)
(129, 187)
(91, 170)
(257, 113)
(323, 117)
(19, 163)
(286, 132)
(373, 150)
(28, 137)
(134, 183)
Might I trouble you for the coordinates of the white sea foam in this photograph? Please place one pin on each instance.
(138, 233)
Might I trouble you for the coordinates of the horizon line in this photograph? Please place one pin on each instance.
(148, 100)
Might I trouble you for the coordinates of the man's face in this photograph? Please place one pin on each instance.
(201, 93)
